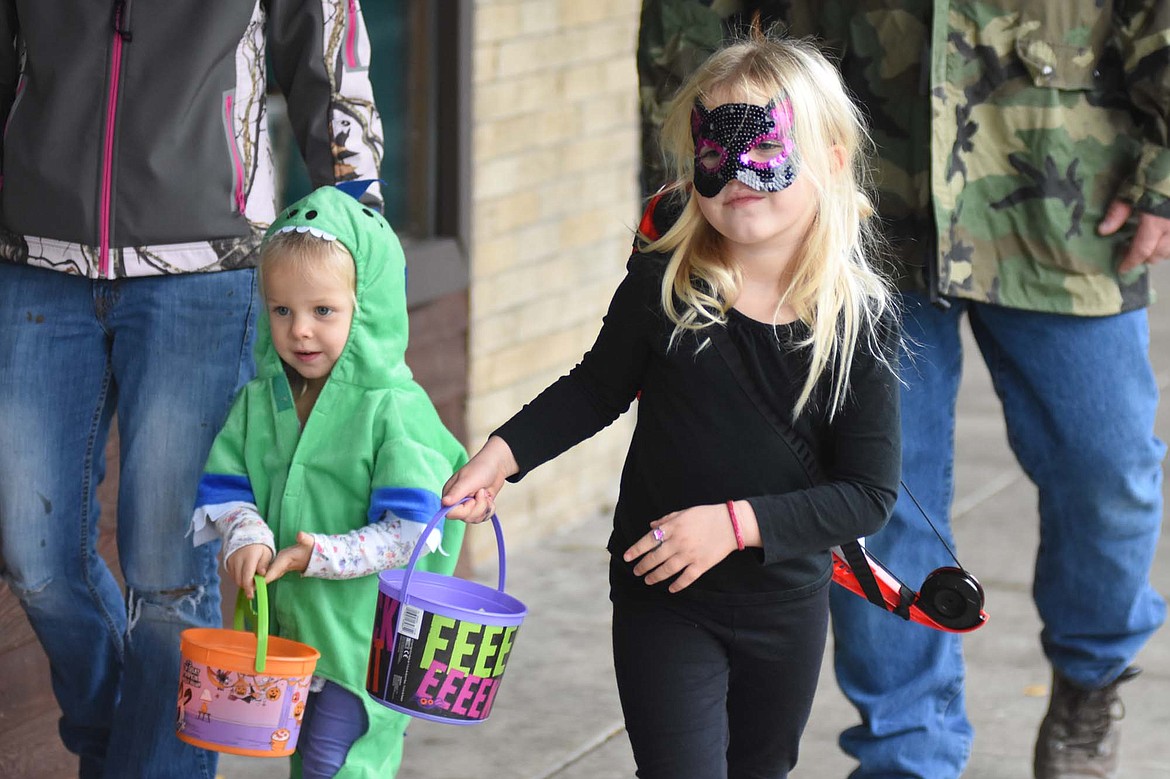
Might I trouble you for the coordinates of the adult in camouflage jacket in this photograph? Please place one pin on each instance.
(1023, 169)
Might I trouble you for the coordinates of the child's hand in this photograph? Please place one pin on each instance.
(481, 480)
(243, 565)
(689, 543)
(291, 558)
(478, 508)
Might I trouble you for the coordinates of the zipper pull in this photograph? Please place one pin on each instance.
(122, 20)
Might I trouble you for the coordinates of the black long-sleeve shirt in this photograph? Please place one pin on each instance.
(702, 439)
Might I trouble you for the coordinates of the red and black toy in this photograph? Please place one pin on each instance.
(950, 599)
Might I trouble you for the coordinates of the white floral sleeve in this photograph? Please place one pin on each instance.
(376, 547)
(237, 523)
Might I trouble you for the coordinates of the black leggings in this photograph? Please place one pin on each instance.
(712, 691)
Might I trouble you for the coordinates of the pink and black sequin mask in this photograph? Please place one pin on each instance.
(750, 143)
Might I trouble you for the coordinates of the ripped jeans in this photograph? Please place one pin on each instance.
(166, 354)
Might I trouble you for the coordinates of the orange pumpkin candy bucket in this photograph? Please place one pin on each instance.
(240, 691)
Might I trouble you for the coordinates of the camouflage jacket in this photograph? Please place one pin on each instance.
(1004, 129)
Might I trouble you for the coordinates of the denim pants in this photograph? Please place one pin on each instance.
(1079, 400)
(334, 720)
(166, 354)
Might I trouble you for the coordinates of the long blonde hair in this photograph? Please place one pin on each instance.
(835, 288)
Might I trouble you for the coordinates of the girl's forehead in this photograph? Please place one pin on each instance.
(727, 94)
(319, 272)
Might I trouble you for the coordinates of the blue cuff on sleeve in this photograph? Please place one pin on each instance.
(406, 503)
(217, 488)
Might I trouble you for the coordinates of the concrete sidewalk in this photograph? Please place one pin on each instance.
(557, 716)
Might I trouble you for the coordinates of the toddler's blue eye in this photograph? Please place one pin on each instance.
(280, 310)
(324, 310)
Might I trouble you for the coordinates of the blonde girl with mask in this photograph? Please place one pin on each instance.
(757, 337)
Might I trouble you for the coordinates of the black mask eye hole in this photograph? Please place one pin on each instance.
(368, 212)
(953, 598)
(310, 215)
(291, 213)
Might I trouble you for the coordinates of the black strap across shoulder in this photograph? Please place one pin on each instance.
(803, 453)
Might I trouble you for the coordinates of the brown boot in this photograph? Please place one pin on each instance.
(1079, 735)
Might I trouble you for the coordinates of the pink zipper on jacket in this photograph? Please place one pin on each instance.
(351, 35)
(120, 36)
(229, 121)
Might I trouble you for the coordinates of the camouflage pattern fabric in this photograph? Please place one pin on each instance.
(1004, 129)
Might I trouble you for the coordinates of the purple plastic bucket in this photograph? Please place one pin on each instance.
(441, 644)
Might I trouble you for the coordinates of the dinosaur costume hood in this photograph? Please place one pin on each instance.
(374, 355)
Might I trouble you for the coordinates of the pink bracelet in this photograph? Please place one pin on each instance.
(735, 525)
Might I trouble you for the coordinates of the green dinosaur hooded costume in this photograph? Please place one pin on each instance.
(373, 443)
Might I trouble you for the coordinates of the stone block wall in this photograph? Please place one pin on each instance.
(554, 203)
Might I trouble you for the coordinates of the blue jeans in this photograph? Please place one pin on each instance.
(334, 719)
(1079, 400)
(166, 354)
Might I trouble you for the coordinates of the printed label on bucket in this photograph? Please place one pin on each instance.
(244, 711)
(444, 668)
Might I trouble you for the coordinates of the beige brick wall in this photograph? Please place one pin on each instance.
(554, 201)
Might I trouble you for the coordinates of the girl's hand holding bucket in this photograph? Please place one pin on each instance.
(480, 482)
(247, 562)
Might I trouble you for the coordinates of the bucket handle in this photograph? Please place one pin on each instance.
(259, 611)
(442, 512)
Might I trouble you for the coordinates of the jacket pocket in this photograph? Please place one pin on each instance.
(1061, 42)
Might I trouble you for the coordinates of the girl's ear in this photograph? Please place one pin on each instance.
(838, 157)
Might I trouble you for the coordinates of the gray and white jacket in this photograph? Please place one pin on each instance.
(136, 140)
